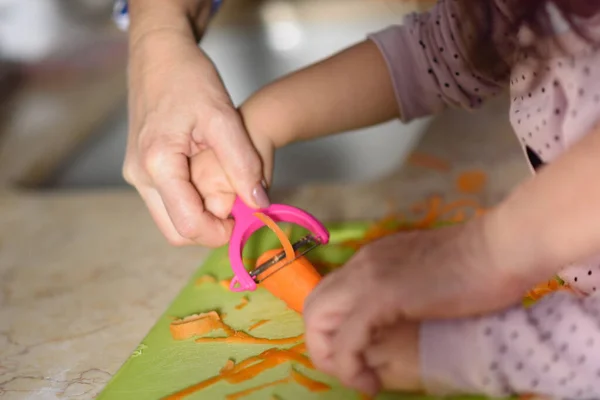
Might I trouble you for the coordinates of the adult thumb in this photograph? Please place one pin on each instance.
(228, 138)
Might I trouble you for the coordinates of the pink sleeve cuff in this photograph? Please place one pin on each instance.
(406, 66)
(452, 357)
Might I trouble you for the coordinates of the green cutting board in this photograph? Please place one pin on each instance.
(161, 366)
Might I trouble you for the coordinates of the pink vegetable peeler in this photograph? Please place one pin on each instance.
(246, 223)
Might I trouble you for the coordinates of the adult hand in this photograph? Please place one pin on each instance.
(188, 152)
(447, 272)
(394, 357)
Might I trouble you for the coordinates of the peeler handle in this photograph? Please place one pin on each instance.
(241, 211)
(246, 224)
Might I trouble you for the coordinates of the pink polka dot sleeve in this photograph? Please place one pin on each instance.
(428, 62)
(548, 349)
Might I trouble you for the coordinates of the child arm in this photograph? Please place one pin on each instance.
(407, 71)
(548, 349)
(349, 90)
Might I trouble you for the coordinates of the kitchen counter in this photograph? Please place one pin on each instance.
(85, 275)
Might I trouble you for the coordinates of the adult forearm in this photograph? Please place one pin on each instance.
(553, 219)
(186, 17)
(349, 90)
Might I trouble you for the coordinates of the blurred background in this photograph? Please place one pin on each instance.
(63, 121)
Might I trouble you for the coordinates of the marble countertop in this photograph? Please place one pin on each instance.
(85, 275)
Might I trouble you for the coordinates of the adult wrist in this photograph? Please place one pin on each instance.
(198, 12)
(520, 255)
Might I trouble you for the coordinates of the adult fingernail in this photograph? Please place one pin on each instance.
(260, 196)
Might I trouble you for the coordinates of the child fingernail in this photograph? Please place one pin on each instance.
(259, 194)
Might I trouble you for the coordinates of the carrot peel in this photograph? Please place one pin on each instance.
(290, 254)
(195, 325)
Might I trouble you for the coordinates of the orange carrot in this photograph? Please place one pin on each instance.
(257, 324)
(246, 392)
(471, 182)
(194, 325)
(291, 283)
(290, 254)
(309, 383)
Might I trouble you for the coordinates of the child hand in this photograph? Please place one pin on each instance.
(210, 179)
(447, 272)
(394, 357)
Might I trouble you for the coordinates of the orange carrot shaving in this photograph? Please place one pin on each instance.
(229, 365)
(240, 337)
(206, 279)
(309, 383)
(225, 283)
(269, 359)
(249, 368)
(299, 348)
(432, 213)
(195, 325)
(243, 303)
(195, 388)
(471, 182)
(290, 254)
(257, 324)
(458, 204)
(243, 393)
(429, 161)
(546, 288)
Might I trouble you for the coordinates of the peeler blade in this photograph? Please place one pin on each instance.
(306, 244)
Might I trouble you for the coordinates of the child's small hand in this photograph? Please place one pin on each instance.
(394, 357)
(446, 272)
(210, 179)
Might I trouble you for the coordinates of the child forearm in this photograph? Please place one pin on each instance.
(553, 219)
(349, 90)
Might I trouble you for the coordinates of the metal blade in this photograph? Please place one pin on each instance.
(307, 240)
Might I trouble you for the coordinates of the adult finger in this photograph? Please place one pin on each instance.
(169, 170)
(323, 314)
(349, 344)
(227, 137)
(160, 216)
